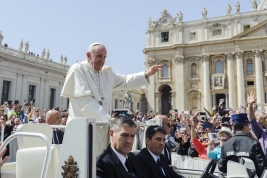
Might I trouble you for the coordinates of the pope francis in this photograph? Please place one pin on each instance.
(89, 86)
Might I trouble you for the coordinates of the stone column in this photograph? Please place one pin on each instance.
(173, 100)
(18, 89)
(179, 85)
(41, 93)
(259, 76)
(180, 35)
(240, 78)
(213, 99)
(158, 107)
(206, 82)
(230, 76)
(226, 100)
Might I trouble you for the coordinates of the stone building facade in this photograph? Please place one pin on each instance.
(208, 59)
(25, 76)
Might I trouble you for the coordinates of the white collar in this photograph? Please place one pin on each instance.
(120, 156)
(153, 155)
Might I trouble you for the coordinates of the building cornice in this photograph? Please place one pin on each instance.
(24, 62)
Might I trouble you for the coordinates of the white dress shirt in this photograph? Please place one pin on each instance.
(121, 158)
(156, 159)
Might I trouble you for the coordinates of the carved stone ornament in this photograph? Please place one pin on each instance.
(151, 62)
(179, 60)
(193, 59)
(257, 52)
(229, 56)
(249, 55)
(205, 58)
(239, 54)
(70, 168)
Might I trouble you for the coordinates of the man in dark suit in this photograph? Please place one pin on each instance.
(169, 142)
(151, 159)
(53, 118)
(117, 161)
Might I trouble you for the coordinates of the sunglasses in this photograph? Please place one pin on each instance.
(36, 111)
(201, 133)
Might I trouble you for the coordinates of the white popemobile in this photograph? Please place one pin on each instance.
(75, 158)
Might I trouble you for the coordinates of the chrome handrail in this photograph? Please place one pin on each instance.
(58, 126)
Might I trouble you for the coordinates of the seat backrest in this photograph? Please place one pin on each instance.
(248, 163)
(28, 142)
(30, 162)
(236, 170)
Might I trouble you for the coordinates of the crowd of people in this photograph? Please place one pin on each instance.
(203, 134)
(12, 115)
(195, 134)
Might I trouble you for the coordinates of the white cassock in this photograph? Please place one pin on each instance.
(88, 89)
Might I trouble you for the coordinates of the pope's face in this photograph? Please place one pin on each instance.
(97, 58)
(122, 140)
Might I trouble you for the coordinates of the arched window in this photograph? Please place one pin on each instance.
(165, 71)
(250, 66)
(193, 69)
(219, 68)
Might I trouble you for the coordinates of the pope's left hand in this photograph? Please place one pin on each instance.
(152, 70)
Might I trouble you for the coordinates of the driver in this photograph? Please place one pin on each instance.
(241, 145)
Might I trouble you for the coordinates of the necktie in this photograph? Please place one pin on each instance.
(128, 166)
(159, 164)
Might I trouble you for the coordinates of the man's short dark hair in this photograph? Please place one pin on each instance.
(153, 129)
(117, 123)
(239, 125)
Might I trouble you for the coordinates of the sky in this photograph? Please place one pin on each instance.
(68, 27)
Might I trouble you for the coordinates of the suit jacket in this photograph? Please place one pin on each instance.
(57, 136)
(167, 154)
(108, 165)
(150, 167)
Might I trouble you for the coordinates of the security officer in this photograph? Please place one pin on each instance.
(241, 145)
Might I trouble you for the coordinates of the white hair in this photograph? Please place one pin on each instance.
(92, 48)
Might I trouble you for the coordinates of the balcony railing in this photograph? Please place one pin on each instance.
(165, 79)
(31, 58)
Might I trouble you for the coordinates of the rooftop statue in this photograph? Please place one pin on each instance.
(127, 100)
(262, 5)
(254, 5)
(1, 37)
(237, 5)
(47, 55)
(204, 13)
(180, 16)
(228, 9)
(26, 47)
(65, 59)
(43, 53)
(164, 13)
(150, 23)
(61, 59)
(21, 45)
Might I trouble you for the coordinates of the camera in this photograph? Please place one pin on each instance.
(186, 112)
